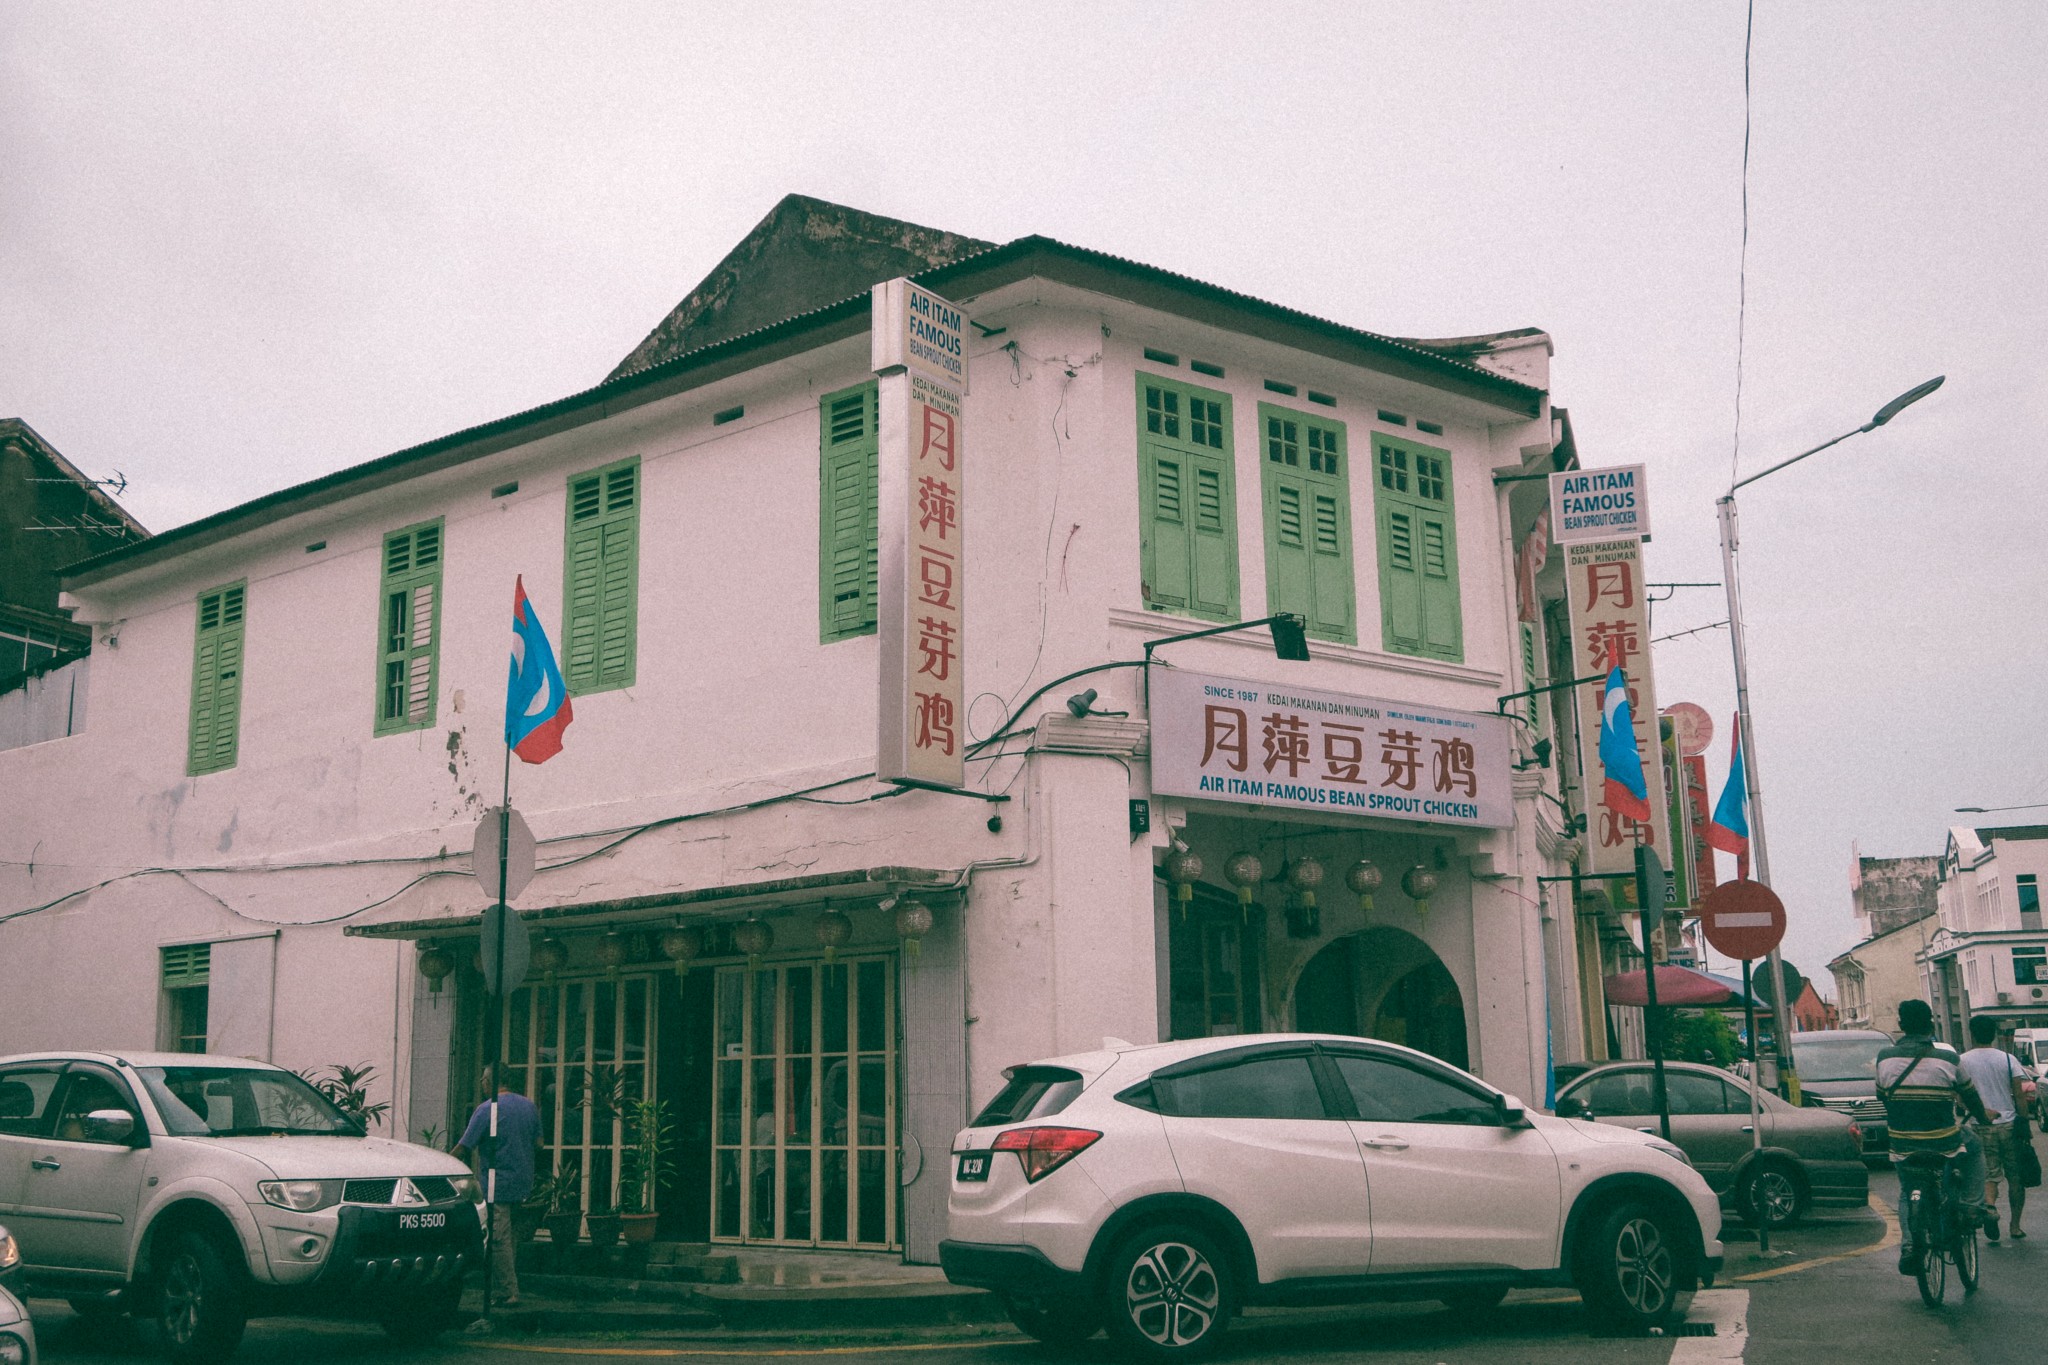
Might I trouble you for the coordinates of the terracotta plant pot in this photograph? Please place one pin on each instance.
(636, 1228)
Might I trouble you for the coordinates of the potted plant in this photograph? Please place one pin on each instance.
(563, 1209)
(650, 1134)
(603, 1092)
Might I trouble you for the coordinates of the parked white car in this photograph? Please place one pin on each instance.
(17, 1333)
(1156, 1190)
(197, 1191)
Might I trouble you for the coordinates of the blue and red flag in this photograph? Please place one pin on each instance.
(1729, 829)
(1628, 792)
(536, 700)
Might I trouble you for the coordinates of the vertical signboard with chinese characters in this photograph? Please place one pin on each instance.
(920, 363)
(1609, 611)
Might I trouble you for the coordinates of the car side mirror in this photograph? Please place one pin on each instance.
(1572, 1107)
(109, 1125)
(1511, 1111)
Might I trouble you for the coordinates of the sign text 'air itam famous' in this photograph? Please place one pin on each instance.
(1261, 744)
(1599, 504)
(920, 362)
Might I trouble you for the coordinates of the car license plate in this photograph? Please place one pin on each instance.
(974, 1166)
(421, 1222)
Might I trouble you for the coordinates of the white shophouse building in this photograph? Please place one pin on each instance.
(1990, 955)
(263, 832)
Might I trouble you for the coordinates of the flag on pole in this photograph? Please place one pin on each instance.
(1628, 792)
(1729, 829)
(536, 700)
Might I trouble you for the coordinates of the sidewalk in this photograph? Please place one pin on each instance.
(693, 1289)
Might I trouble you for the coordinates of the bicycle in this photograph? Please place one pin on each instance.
(1943, 1232)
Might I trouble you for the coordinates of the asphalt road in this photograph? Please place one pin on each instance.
(1831, 1292)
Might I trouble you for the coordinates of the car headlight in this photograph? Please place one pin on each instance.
(301, 1196)
(466, 1187)
(10, 1251)
(13, 1350)
(1667, 1149)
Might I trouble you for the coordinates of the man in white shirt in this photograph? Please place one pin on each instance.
(1999, 1078)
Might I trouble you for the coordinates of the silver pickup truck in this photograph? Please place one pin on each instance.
(196, 1192)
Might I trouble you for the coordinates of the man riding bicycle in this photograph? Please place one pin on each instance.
(1921, 1083)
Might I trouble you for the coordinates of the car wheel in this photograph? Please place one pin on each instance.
(199, 1314)
(1055, 1325)
(1628, 1268)
(1771, 1195)
(1168, 1294)
(418, 1318)
(1477, 1299)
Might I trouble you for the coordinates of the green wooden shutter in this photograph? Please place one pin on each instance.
(409, 629)
(1188, 539)
(848, 469)
(1418, 550)
(601, 572)
(188, 964)
(211, 743)
(1308, 522)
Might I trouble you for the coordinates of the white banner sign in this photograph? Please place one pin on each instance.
(1262, 744)
(1599, 504)
(921, 563)
(1609, 610)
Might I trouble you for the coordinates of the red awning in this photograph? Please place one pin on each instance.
(1675, 986)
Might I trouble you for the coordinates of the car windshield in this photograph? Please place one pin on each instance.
(222, 1101)
(1838, 1059)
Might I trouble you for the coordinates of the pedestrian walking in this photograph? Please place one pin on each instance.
(1999, 1079)
(506, 1164)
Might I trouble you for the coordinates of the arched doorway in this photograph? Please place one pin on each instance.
(1383, 983)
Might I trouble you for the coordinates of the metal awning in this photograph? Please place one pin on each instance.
(713, 902)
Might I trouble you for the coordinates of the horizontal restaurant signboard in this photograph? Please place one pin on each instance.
(1265, 744)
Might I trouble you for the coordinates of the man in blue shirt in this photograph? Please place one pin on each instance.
(511, 1157)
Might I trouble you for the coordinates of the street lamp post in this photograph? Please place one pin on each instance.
(1759, 855)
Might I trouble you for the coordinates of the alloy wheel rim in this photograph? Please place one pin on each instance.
(1643, 1266)
(184, 1295)
(1172, 1294)
(1775, 1196)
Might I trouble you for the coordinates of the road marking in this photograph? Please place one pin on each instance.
(1890, 1239)
(1728, 1310)
(666, 1352)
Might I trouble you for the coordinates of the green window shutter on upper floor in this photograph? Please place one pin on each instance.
(1303, 472)
(213, 739)
(1418, 549)
(848, 459)
(1188, 534)
(602, 575)
(409, 629)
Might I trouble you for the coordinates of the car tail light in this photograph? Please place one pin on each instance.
(1045, 1150)
(1856, 1131)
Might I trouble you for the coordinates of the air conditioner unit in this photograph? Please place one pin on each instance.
(2005, 997)
(2037, 992)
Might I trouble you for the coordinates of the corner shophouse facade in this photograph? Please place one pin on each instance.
(264, 829)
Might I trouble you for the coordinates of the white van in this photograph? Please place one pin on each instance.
(2030, 1045)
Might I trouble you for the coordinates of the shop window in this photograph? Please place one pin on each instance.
(1213, 970)
(2030, 900)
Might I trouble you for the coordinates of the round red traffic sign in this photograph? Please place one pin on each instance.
(1743, 919)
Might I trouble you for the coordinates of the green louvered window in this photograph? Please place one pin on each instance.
(186, 972)
(848, 454)
(1188, 534)
(602, 592)
(1530, 679)
(1303, 474)
(409, 629)
(211, 745)
(1418, 547)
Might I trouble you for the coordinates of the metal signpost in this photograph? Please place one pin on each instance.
(503, 860)
(1746, 920)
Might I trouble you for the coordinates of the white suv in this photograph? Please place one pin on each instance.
(1155, 1190)
(197, 1191)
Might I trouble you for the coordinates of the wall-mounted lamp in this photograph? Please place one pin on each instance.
(1541, 749)
(1081, 703)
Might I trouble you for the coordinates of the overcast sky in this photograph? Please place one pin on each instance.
(245, 245)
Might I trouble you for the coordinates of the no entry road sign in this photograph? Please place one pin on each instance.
(1743, 919)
